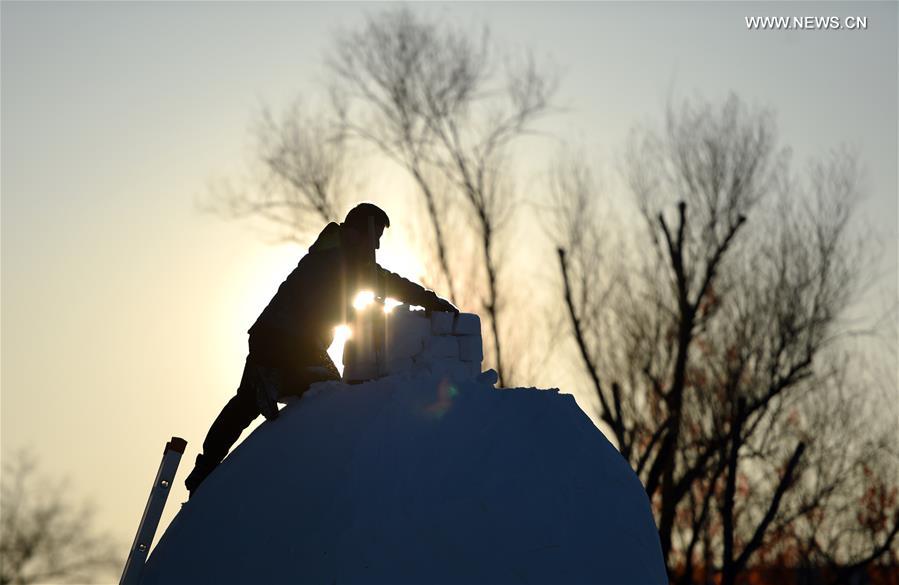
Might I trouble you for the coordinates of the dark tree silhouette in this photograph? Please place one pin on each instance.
(711, 347)
(45, 537)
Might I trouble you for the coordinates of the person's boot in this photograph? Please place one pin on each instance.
(202, 468)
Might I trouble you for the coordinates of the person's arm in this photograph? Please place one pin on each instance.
(397, 287)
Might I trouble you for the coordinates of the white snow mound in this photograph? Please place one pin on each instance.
(414, 479)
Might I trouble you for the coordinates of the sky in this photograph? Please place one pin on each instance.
(124, 308)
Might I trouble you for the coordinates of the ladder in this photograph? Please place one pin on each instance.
(149, 522)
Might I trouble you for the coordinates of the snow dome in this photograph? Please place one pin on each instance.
(421, 472)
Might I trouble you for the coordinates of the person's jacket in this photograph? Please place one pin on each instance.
(317, 295)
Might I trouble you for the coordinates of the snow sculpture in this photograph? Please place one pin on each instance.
(406, 341)
(425, 473)
(416, 479)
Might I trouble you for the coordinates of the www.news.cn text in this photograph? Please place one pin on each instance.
(806, 22)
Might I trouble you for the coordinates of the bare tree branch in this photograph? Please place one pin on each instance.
(44, 535)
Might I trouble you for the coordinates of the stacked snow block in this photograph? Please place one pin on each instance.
(441, 344)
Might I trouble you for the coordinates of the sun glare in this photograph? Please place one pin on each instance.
(335, 351)
(342, 333)
(397, 256)
(363, 299)
(272, 267)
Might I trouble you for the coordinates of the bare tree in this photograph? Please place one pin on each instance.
(440, 104)
(846, 518)
(711, 345)
(432, 99)
(44, 536)
(384, 67)
(300, 174)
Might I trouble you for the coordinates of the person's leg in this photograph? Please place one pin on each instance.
(236, 416)
(323, 368)
(315, 366)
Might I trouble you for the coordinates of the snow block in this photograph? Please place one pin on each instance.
(467, 324)
(444, 346)
(398, 366)
(416, 344)
(490, 377)
(357, 371)
(471, 348)
(441, 323)
(452, 369)
(351, 353)
(400, 345)
(420, 369)
(405, 323)
(361, 347)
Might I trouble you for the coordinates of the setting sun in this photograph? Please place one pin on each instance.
(274, 264)
(271, 267)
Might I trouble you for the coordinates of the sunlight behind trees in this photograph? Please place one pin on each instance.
(703, 343)
(125, 311)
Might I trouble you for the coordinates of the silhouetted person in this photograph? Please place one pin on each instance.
(289, 341)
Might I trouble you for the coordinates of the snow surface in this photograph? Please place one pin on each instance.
(416, 480)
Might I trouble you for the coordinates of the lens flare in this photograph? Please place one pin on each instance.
(391, 304)
(342, 333)
(446, 392)
(363, 299)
